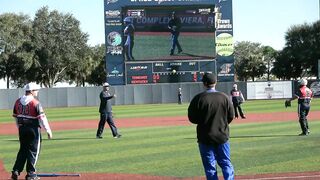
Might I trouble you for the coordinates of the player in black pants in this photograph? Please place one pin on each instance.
(105, 110)
(304, 96)
(237, 100)
(29, 116)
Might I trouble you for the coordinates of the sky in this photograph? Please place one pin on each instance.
(260, 21)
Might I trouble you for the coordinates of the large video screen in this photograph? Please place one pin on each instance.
(157, 36)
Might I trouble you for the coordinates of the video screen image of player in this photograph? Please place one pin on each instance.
(169, 33)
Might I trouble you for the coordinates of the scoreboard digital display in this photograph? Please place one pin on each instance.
(168, 71)
(205, 37)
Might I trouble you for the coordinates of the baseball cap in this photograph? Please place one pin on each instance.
(31, 87)
(235, 85)
(127, 19)
(106, 84)
(209, 78)
(303, 82)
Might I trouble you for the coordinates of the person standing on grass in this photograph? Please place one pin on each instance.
(29, 116)
(237, 100)
(174, 26)
(105, 111)
(304, 96)
(179, 96)
(212, 111)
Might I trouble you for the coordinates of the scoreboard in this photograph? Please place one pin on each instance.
(207, 33)
(143, 72)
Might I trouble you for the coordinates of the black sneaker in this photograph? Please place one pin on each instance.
(117, 136)
(180, 51)
(303, 134)
(14, 175)
(99, 137)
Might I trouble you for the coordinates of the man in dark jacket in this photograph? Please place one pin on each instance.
(105, 110)
(212, 111)
(174, 26)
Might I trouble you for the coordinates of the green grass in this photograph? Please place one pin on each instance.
(256, 148)
(154, 110)
(172, 151)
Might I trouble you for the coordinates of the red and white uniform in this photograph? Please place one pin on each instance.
(304, 95)
(30, 117)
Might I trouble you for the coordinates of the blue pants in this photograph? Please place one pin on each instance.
(175, 42)
(128, 51)
(211, 154)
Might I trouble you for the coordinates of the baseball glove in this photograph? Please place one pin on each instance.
(287, 103)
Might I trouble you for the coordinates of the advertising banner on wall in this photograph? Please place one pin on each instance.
(269, 90)
(224, 40)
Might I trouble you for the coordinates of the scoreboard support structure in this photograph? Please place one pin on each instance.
(121, 72)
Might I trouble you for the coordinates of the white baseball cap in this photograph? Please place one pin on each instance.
(31, 87)
(105, 84)
(303, 82)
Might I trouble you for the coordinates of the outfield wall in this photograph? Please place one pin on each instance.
(129, 94)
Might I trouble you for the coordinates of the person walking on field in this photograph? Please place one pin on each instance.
(174, 26)
(29, 117)
(105, 111)
(212, 111)
(237, 100)
(304, 96)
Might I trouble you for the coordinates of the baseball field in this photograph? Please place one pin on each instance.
(156, 45)
(158, 142)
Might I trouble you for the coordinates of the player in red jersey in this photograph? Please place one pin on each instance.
(30, 117)
(304, 96)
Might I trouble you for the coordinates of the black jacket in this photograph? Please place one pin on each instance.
(105, 102)
(212, 112)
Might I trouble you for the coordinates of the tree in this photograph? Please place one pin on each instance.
(14, 34)
(269, 55)
(302, 49)
(85, 65)
(98, 75)
(286, 66)
(248, 61)
(58, 44)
